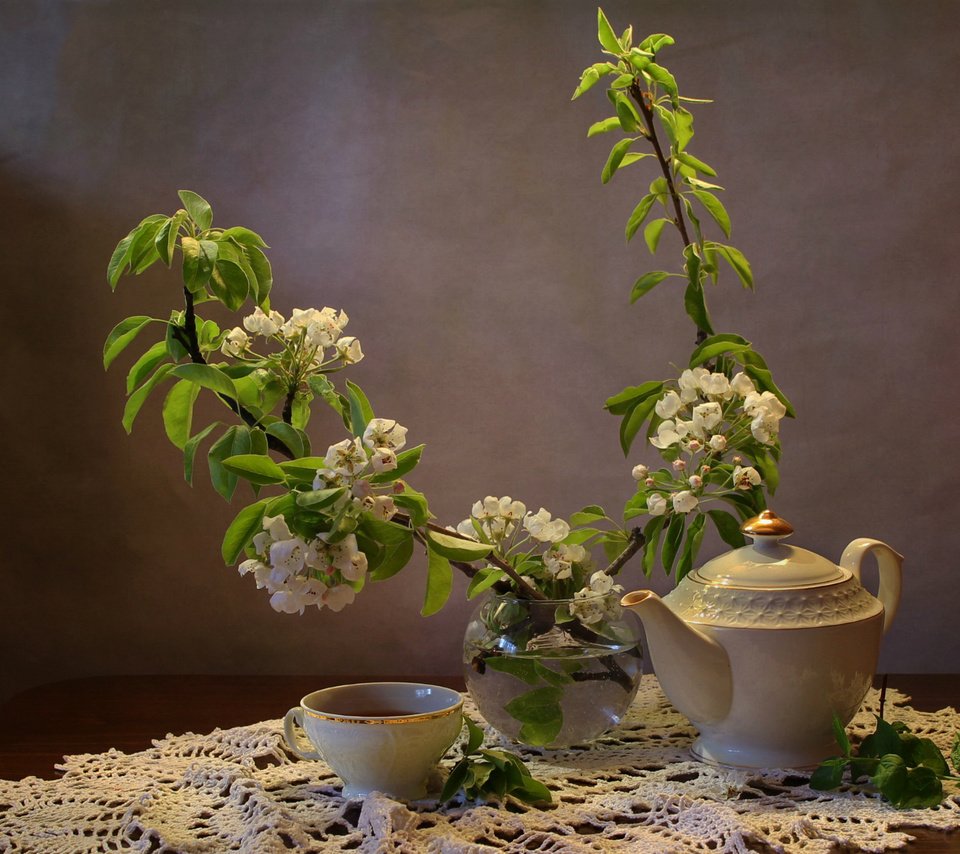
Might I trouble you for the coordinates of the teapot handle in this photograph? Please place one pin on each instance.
(889, 563)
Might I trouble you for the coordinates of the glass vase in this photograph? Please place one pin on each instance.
(552, 672)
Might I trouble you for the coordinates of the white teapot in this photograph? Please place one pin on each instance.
(763, 645)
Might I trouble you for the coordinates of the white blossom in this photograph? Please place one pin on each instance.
(541, 528)
(383, 459)
(348, 349)
(684, 501)
(559, 560)
(689, 383)
(288, 555)
(765, 428)
(384, 433)
(466, 529)
(338, 597)
(706, 416)
(261, 323)
(715, 385)
(766, 403)
(656, 504)
(742, 384)
(235, 342)
(668, 405)
(745, 477)
(346, 458)
(718, 442)
(667, 435)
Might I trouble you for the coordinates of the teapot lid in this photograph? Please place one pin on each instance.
(768, 563)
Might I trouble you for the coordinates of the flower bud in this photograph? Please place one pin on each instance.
(679, 465)
(640, 472)
(695, 481)
(649, 482)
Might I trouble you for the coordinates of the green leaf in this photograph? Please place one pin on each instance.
(769, 470)
(651, 535)
(671, 543)
(639, 214)
(388, 533)
(190, 451)
(735, 258)
(396, 556)
(415, 503)
(539, 712)
(360, 410)
(138, 398)
(688, 159)
(315, 499)
(454, 783)
(923, 790)
(175, 348)
(891, 777)
(145, 364)
(523, 669)
(244, 236)
(653, 43)
(660, 74)
(683, 125)
(840, 734)
(198, 208)
(691, 546)
(406, 462)
(229, 283)
(633, 421)
(303, 469)
(532, 792)
(178, 412)
(955, 753)
(647, 283)
(483, 581)
(120, 259)
(606, 36)
(626, 114)
(623, 402)
(289, 435)
(728, 528)
(717, 345)
(439, 583)
(457, 548)
(256, 468)
(651, 234)
(245, 526)
(199, 256)
(696, 307)
(603, 126)
(263, 272)
(829, 775)
(632, 157)
(719, 213)
(588, 515)
(143, 250)
(166, 239)
(615, 158)
(121, 335)
(234, 441)
(207, 376)
(474, 735)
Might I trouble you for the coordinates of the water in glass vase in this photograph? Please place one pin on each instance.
(553, 696)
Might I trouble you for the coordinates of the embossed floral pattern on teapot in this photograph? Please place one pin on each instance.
(763, 645)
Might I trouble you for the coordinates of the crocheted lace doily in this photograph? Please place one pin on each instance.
(635, 790)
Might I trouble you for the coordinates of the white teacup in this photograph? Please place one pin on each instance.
(378, 736)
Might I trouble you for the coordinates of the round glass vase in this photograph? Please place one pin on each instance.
(552, 673)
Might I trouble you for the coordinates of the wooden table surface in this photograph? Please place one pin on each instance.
(126, 712)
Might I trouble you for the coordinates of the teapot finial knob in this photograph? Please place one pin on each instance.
(767, 524)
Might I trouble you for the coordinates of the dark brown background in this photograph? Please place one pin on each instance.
(420, 165)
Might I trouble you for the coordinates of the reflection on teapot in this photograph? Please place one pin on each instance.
(763, 645)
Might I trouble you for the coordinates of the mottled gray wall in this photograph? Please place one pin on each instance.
(420, 164)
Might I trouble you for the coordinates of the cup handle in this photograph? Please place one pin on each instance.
(295, 715)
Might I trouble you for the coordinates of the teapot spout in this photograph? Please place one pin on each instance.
(693, 669)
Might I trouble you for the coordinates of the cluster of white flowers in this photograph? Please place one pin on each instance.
(498, 519)
(720, 412)
(298, 573)
(376, 450)
(559, 560)
(593, 603)
(709, 398)
(319, 330)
